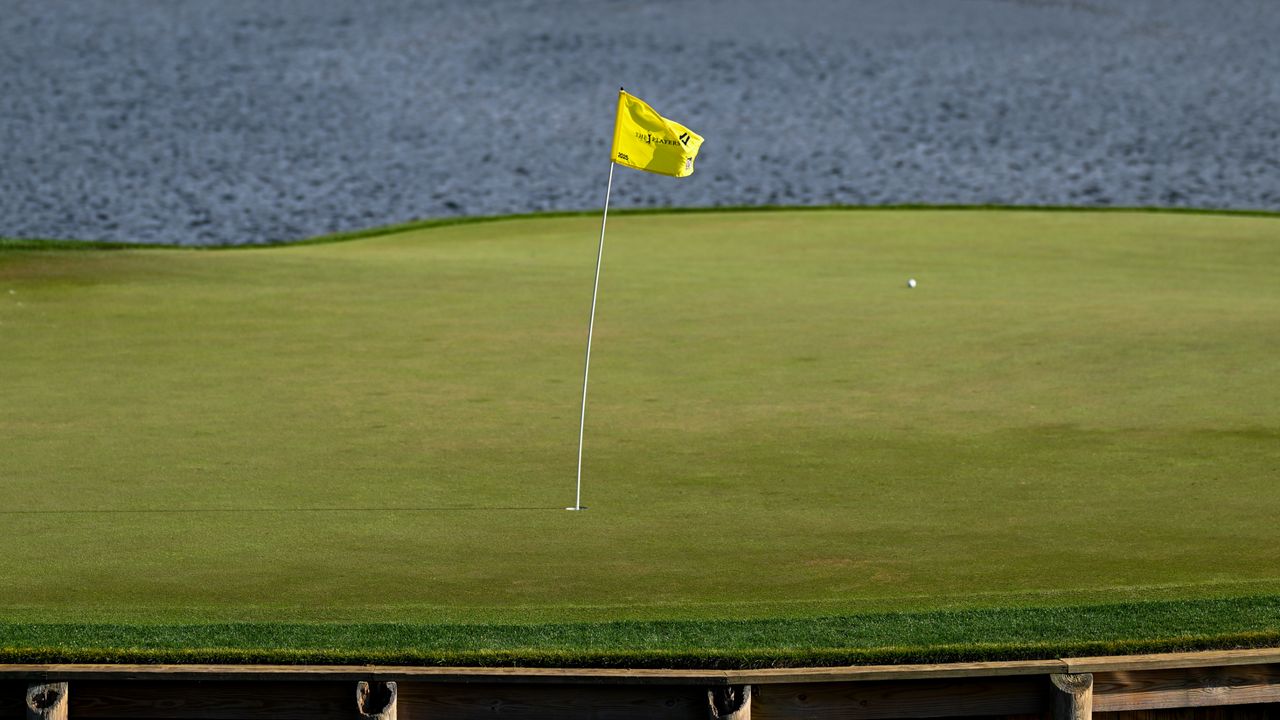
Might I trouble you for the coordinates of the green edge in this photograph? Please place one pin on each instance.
(923, 637)
(8, 243)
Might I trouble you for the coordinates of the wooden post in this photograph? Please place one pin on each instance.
(47, 701)
(1072, 696)
(376, 700)
(730, 703)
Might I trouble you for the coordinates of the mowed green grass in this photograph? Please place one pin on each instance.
(1073, 411)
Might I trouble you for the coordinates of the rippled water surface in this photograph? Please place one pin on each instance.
(238, 122)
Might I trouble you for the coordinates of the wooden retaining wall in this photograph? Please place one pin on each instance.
(1226, 685)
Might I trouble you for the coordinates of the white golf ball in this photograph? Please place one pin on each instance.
(911, 282)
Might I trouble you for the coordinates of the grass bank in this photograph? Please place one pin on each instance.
(950, 636)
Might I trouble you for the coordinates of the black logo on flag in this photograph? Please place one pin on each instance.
(684, 138)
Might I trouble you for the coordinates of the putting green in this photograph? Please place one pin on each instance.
(1072, 408)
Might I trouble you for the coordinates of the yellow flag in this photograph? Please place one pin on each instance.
(645, 140)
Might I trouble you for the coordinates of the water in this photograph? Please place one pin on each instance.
(243, 122)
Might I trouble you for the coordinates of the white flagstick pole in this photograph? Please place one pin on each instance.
(591, 326)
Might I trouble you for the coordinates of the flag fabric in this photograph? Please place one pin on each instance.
(644, 140)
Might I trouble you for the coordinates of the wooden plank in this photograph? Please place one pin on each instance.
(1186, 687)
(956, 697)
(471, 701)
(551, 675)
(284, 700)
(1173, 660)
(355, 673)
(860, 673)
(229, 700)
(1225, 712)
(159, 696)
(28, 672)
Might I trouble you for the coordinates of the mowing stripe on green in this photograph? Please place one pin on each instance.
(1072, 410)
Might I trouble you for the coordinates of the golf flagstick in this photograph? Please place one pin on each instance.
(644, 140)
(591, 326)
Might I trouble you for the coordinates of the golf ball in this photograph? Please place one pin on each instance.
(911, 282)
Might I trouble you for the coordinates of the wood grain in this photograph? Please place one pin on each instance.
(1186, 687)
(1071, 696)
(637, 676)
(469, 701)
(376, 700)
(356, 673)
(1173, 660)
(180, 700)
(859, 673)
(1173, 684)
(1226, 712)
(959, 697)
(47, 701)
(611, 676)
